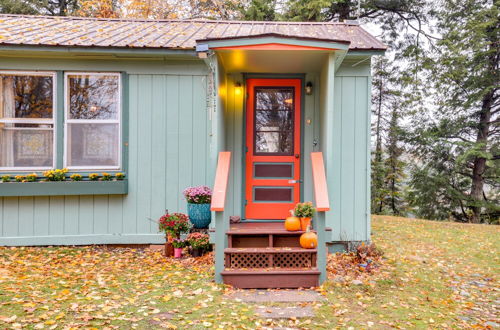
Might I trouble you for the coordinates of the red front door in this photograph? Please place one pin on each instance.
(273, 148)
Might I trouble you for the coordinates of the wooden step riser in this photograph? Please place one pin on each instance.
(272, 281)
(248, 241)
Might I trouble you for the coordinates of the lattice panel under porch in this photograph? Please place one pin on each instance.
(249, 260)
(292, 260)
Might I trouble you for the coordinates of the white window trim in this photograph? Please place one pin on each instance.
(40, 121)
(90, 121)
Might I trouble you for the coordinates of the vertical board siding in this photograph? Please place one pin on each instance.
(145, 107)
(71, 215)
(86, 215)
(26, 216)
(10, 216)
(56, 215)
(158, 152)
(350, 179)
(41, 219)
(172, 145)
(169, 141)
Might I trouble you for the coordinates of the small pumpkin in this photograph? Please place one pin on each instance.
(309, 240)
(292, 223)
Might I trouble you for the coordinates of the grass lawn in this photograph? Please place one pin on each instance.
(433, 275)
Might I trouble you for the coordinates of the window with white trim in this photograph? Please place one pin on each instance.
(92, 121)
(27, 113)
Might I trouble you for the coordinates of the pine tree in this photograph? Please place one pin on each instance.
(388, 168)
(458, 148)
(260, 10)
(394, 165)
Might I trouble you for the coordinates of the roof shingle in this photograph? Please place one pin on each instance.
(170, 34)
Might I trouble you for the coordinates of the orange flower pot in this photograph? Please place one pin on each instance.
(304, 223)
(169, 249)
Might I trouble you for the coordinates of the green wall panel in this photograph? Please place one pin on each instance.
(26, 215)
(71, 215)
(41, 221)
(349, 176)
(169, 141)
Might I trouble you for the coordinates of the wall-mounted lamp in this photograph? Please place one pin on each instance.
(202, 50)
(237, 88)
(309, 88)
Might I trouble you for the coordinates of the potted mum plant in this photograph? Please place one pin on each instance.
(305, 211)
(199, 199)
(199, 243)
(173, 225)
(178, 244)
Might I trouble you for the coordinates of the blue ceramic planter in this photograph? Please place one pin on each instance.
(199, 215)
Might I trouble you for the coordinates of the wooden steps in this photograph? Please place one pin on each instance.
(265, 255)
(271, 278)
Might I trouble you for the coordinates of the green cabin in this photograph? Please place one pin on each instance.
(266, 113)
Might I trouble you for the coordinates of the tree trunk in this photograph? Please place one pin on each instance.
(483, 130)
(378, 147)
(479, 165)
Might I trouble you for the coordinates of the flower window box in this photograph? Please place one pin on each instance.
(64, 188)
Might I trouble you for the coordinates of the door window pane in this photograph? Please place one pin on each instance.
(267, 119)
(272, 98)
(26, 120)
(274, 142)
(273, 170)
(273, 194)
(274, 113)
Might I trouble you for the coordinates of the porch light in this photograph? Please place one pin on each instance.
(237, 88)
(309, 88)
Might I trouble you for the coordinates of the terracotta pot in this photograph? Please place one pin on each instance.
(177, 253)
(169, 250)
(304, 222)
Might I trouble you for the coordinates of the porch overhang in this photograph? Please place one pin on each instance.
(274, 41)
(265, 53)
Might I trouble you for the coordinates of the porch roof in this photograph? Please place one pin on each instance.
(22, 30)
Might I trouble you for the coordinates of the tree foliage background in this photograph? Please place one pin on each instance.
(435, 97)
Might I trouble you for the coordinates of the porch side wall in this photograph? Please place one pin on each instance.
(169, 139)
(349, 153)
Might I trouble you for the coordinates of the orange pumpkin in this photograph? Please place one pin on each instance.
(292, 224)
(309, 240)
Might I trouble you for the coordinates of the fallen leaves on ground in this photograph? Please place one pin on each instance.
(432, 275)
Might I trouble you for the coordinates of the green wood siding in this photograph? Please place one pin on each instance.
(174, 141)
(169, 141)
(348, 171)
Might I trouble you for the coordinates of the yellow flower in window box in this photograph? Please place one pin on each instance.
(20, 178)
(76, 177)
(56, 175)
(106, 176)
(31, 177)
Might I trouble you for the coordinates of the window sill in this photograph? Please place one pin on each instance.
(61, 188)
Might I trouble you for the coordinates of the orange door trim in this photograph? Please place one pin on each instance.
(265, 186)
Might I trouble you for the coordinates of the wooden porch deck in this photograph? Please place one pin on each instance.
(275, 228)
